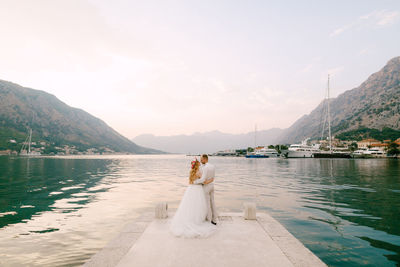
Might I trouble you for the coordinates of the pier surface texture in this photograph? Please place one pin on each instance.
(262, 241)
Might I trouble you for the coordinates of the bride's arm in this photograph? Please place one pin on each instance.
(202, 178)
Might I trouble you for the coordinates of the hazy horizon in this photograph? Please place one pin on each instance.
(207, 132)
(170, 67)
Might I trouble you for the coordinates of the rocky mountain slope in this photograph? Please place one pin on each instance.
(374, 104)
(55, 123)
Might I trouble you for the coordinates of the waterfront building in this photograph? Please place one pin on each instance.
(380, 147)
(367, 143)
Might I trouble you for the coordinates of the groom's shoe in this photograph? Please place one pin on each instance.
(214, 223)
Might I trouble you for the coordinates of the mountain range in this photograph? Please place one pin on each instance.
(208, 142)
(55, 123)
(375, 104)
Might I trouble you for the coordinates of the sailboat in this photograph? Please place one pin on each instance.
(26, 147)
(256, 153)
(330, 153)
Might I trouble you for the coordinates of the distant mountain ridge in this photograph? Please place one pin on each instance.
(208, 142)
(55, 122)
(374, 104)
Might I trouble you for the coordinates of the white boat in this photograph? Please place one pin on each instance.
(29, 153)
(26, 147)
(375, 153)
(358, 153)
(257, 153)
(302, 150)
(369, 153)
(270, 152)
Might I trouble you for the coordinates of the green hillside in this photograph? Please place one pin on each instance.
(55, 124)
(363, 133)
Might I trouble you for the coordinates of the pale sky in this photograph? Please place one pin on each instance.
(179, 67)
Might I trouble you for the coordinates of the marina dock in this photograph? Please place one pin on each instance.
(242, 239)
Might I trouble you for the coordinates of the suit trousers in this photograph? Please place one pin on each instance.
(212, 210)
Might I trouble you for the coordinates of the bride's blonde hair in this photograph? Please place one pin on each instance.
(193, 171)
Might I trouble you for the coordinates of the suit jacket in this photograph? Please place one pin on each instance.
(208, 172)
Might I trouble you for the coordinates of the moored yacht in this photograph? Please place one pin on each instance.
(330, 153)
(302, 150)
(358, 153)
(259, 151)
(375, 153)
(369, 153)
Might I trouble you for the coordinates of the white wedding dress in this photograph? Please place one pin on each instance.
(190, 219)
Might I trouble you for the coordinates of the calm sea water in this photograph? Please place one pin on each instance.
(59, 211)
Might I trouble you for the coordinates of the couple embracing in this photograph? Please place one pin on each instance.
(196, 215)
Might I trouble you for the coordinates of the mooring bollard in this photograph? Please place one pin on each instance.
(162, 210)
(250, 211)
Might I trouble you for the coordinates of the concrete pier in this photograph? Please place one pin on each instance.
(237, 242)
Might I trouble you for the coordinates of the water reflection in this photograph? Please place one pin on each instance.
(360, 193)
(59, 211)
(30, 186)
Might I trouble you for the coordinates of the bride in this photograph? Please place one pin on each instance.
(190, 218)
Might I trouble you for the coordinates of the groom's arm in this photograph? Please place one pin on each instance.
(209, 181)
(203, 177)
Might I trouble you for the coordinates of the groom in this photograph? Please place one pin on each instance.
(208, 174)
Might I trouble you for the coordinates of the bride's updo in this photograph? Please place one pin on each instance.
(193, 171)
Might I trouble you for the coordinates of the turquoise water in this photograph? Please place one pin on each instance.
(58, 211)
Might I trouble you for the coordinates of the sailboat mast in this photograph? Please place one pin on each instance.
(329, 120)
(30, 140)
(255, 136)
